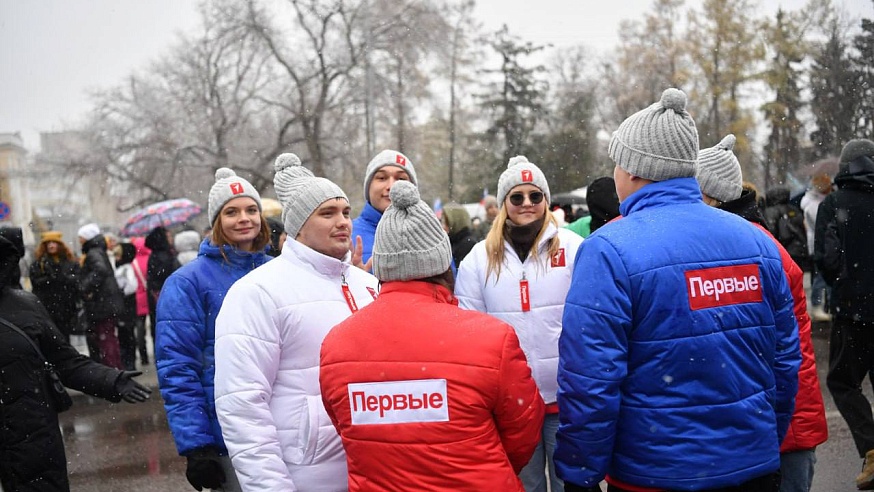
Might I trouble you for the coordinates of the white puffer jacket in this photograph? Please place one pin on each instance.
(268, 336)
(548, 282)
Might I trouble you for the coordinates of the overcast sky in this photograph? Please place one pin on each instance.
(52, 52)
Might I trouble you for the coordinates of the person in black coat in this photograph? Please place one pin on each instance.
(456, 223)
(786, 223)
(162, 262)
(31, 448)
(102, 299)
(54, 278)
(843, 240)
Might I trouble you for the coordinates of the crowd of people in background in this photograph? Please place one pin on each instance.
(659, 341)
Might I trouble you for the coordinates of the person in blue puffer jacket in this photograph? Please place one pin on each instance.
(385, 169)
(185, 338)
(679, 352)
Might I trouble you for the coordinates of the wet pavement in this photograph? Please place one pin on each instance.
(112, 447)
(122, 446)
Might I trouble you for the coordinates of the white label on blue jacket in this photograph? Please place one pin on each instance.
(399, 402)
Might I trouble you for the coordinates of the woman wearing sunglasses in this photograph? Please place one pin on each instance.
(521, 274)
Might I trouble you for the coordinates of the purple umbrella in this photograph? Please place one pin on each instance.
(167, 213)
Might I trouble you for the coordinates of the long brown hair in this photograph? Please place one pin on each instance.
(220, 239)
(495, 242)
(63, 253)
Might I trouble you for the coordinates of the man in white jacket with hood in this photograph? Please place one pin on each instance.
(268, 336)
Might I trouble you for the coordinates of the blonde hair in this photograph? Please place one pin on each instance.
(495, 242)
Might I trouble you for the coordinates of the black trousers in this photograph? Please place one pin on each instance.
(765, 483)
(851, 357)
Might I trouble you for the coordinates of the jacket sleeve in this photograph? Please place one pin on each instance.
(787, 356)
(519, 415)
(75, 370)
(470, 281)
(827, 251)
(247, 360)
(592, 362)
(179, 356)
(96, 271)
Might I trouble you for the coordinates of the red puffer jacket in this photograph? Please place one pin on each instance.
(808, 428)
(427, 396)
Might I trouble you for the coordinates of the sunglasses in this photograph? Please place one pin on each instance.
(518, 199)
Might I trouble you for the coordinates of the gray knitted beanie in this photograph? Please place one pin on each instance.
(387, 158)
(227, 187)
(519, 171)
(659, 142)
(857, 148)
(299, 192)
(410, 243)
(718, 173)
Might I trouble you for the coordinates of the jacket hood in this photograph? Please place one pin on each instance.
(9, 256)
(128, 253)
(14, 236)
(457, 218)
(140, 244)
(858, 173)
(157, 240)
(97, 241)
(746, 207)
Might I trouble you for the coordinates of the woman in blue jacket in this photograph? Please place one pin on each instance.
(187, 309)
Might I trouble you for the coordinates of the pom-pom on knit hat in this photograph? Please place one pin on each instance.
(519, 171)
(410, 242)
(299, 192)
(719, 174)
(89, 231)
(387, 158)
(227, 187)
(659, 142)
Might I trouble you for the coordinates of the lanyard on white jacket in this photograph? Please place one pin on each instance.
(347, 294)
(524, 294)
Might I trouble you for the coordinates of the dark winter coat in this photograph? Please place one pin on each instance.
(55, 282)
(460, 235)
(31, 449)
(162, 261)
(101, 296)
(844, 238)
(786, 222)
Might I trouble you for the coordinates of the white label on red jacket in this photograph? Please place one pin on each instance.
(723, 286)
(399, 402)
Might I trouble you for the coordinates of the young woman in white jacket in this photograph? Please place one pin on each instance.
(521, 274)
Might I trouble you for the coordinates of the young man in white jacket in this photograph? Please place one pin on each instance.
(268, 335)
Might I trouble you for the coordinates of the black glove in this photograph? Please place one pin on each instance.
(572, 487)
(204, 469)
(130, 390)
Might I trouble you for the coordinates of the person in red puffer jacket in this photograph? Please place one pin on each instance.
(719, 174)
(425, 395)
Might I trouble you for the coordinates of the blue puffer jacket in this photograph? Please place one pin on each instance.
(365, 226)
(663, 382)
(185, 345)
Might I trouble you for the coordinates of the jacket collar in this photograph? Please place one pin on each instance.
(325, 265)
(370, 214)
(662, 193)
(433, 291)
(235, 256)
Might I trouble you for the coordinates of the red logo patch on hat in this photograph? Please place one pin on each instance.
(399, 159)
(236, 188)
(527, 175)
(558, 259)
